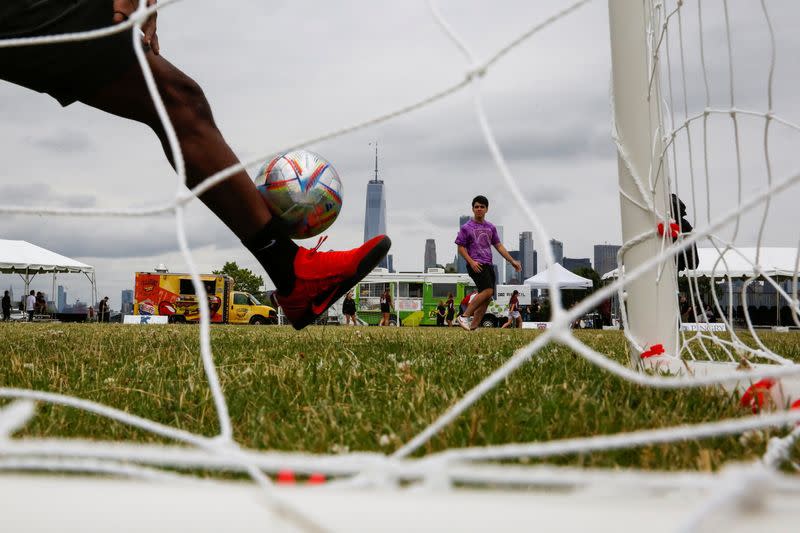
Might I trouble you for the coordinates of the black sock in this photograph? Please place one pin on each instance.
(275, 251)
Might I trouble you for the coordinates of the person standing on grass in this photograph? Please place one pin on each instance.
(441, 312)
(514, 316)
(475, 240)
(386, 307)
(349, 309)
(30, 305)
(6, 307)
(451, 309)
(102, 310)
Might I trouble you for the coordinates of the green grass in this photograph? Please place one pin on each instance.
(336, 389)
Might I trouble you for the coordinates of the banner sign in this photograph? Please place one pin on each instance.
(145, 319)
(702, 326)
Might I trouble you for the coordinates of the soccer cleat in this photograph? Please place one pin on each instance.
(465, 322)
(321, 278)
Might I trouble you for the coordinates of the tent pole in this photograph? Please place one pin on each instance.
(53, 294)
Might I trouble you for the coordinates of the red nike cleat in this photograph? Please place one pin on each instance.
(321, 278)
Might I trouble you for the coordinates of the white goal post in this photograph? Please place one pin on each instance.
(650, 300)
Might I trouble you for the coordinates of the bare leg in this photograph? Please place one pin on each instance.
(235, 201)
(478, 300)
(477, 315)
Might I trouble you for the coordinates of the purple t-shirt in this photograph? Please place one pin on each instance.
(478, 238)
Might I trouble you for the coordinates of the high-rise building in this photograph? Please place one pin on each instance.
(573, 264)
(390, 262)
(461, 263)
(526, 254)
(126, 305)
(558, 251)
(430, 255)
(375, 213)
(61, 301)
(498, 260)
(512, 276)
(605, 257)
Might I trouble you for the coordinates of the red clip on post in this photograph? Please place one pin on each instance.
(656, 349)
(674, 229)
(286, 477)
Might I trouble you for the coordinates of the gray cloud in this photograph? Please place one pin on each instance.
(27, 194)
(67, 141)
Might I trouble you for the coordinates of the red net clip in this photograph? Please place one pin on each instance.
(753, 397)
(674, 229)
(656, 349)
(316, 479)
(286, 477)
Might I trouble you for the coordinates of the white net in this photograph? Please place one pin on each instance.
(708, 159)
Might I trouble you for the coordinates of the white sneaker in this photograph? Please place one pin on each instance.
(465, 322)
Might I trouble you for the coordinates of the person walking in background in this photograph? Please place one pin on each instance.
(30, 305)
(386, 307)
(451, 309)
(349, 309)
(475, 240)
(102, 310)
(514, 316)
(6, 307)
(441, 312)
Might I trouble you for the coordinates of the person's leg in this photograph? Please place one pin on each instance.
(477, 301)
(236, 201)
(477, 315)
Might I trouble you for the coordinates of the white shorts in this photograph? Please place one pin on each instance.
(515, 314)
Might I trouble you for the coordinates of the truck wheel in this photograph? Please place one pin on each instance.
(258, 320)
(488, 322)
(176, 319)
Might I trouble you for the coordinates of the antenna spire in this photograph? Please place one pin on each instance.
(376, 161)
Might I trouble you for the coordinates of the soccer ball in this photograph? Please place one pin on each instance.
(303, 189)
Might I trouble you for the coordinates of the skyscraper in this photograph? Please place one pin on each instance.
(126, 305)
(558, 251)
(430, 255)
(498, 260)
(605, 257)
(512, 276)
(375, 213)
(461, 263)
(573, 264)
(526, 254)
(61, 300)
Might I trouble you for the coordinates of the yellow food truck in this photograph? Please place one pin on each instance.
(173, 295)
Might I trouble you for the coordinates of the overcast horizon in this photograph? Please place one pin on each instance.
(280, 73)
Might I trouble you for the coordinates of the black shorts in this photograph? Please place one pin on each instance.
(483, 279)
(66, 71)
(384, 308)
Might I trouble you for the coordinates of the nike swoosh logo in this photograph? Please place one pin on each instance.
(318, 308)
(270, 243)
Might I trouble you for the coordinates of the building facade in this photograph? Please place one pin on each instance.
(375, 212)
(61, 299)
(526, 254)
(558, 251)
(605, 257)
(126, 302)
(512, 276)
(430, 255)
(572, 264)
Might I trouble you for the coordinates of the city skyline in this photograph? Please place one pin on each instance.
(375, 210)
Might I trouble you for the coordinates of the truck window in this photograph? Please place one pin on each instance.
(372, 290)
(441, 290)
(240, 299)
(410, 290)
(187, 287)
(253, 300)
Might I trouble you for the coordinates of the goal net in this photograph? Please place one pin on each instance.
(681, 128)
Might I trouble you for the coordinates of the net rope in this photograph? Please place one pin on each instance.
(469, 465)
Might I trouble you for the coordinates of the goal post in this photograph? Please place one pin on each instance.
(651, 299)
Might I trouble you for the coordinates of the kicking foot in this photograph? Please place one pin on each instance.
(321, 278)
(465, 322)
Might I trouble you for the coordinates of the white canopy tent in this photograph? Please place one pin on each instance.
(27, 260)
(737, 262)
(563, 278)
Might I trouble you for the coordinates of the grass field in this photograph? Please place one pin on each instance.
(339, 389)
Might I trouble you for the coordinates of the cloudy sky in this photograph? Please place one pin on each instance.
(277, 73)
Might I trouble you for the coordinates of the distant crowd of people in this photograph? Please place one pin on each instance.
(34, 304)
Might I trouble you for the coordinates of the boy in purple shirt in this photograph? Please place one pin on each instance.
(475, 240)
